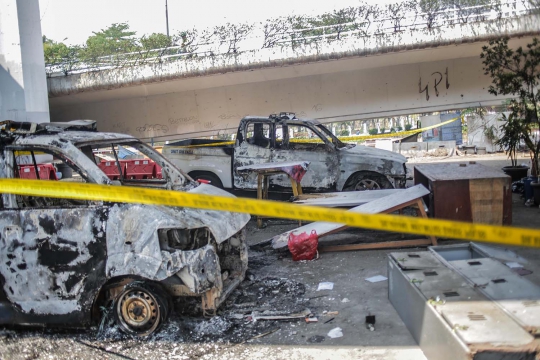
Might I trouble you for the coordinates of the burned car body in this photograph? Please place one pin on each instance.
(60, 260)
(334, 165)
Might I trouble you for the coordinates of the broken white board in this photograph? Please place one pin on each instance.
(344, 198)
(325, 286)
(380, 205)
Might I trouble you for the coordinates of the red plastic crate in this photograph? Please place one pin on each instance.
(139, 169)
(111, 169)
(46, 172)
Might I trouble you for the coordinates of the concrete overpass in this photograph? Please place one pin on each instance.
(414, 71)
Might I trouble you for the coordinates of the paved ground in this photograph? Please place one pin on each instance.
(274, 279)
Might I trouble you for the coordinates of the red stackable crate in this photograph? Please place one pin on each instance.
(111, 169)
(139, 169)
(157, 172)
(46, 172)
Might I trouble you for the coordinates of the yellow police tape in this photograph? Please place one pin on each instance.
(402, 224)
(343, 138)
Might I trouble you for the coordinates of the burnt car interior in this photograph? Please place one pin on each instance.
(26, 166)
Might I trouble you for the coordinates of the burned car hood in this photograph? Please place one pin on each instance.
(142, 221)
(360, 150)
(222, 224)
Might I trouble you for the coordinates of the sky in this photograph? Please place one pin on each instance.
(74, 20)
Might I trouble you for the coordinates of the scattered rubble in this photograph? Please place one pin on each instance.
(335, 333)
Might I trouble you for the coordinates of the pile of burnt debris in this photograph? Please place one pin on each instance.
(250, 312)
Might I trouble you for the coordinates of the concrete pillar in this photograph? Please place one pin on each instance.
(23, 83)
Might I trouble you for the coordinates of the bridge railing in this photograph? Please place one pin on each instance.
(393, 20)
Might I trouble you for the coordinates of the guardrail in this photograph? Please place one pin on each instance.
(297, 38)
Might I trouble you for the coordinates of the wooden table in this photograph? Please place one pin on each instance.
(295, 170)
(467, 191)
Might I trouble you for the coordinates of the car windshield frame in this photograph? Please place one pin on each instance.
(338, 143)
(144, 148)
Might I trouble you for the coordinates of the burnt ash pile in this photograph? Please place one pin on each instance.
(236, 321)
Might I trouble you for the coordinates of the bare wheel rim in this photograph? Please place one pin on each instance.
(139, 311)
(367, 184)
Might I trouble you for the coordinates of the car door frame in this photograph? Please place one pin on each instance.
(73, 285)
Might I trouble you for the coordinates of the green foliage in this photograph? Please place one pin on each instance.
(155, 41)
(344, 132)
(116, 39)
(373, 131)
(512, 130)
(60, 55)
(399, 128)
(231, 34)
(408, 127)
(383, 130)
(517, 73)
(490, 133)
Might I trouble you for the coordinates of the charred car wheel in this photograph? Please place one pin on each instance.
(141, 309)
(367, 181)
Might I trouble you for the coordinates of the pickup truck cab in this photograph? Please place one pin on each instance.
(62, 260)
(334, 165)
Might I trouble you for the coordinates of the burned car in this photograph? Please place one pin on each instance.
(62, 260)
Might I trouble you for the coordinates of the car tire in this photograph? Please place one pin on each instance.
(367, 181)
(141, 309)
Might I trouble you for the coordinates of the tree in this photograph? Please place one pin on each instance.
(156, 41)
(114, 40)
(517, 73)
(232, 34)
(338, 21)
(60, 56)
(275, 30)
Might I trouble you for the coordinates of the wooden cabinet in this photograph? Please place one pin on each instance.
(466, 191)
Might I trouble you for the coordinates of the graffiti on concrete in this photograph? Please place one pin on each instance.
(153, 128)
(437, 77)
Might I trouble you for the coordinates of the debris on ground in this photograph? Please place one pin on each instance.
(522, 271)
(377, 278)
(370, 322)
(325, 286)
(303, 246)
(277, 315)
(335, 333)
(514, 265)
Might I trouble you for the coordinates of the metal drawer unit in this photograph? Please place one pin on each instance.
(447, 316)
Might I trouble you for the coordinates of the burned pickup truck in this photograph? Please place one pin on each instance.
(334, 166)
(62, 260)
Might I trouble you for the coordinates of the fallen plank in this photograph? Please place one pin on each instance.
(387, 204)
(378, 245)
(299, 315)
(343, 199)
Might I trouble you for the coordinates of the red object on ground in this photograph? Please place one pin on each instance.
(303, 246)
(140, 169)
(46, 172)
(202, 181)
